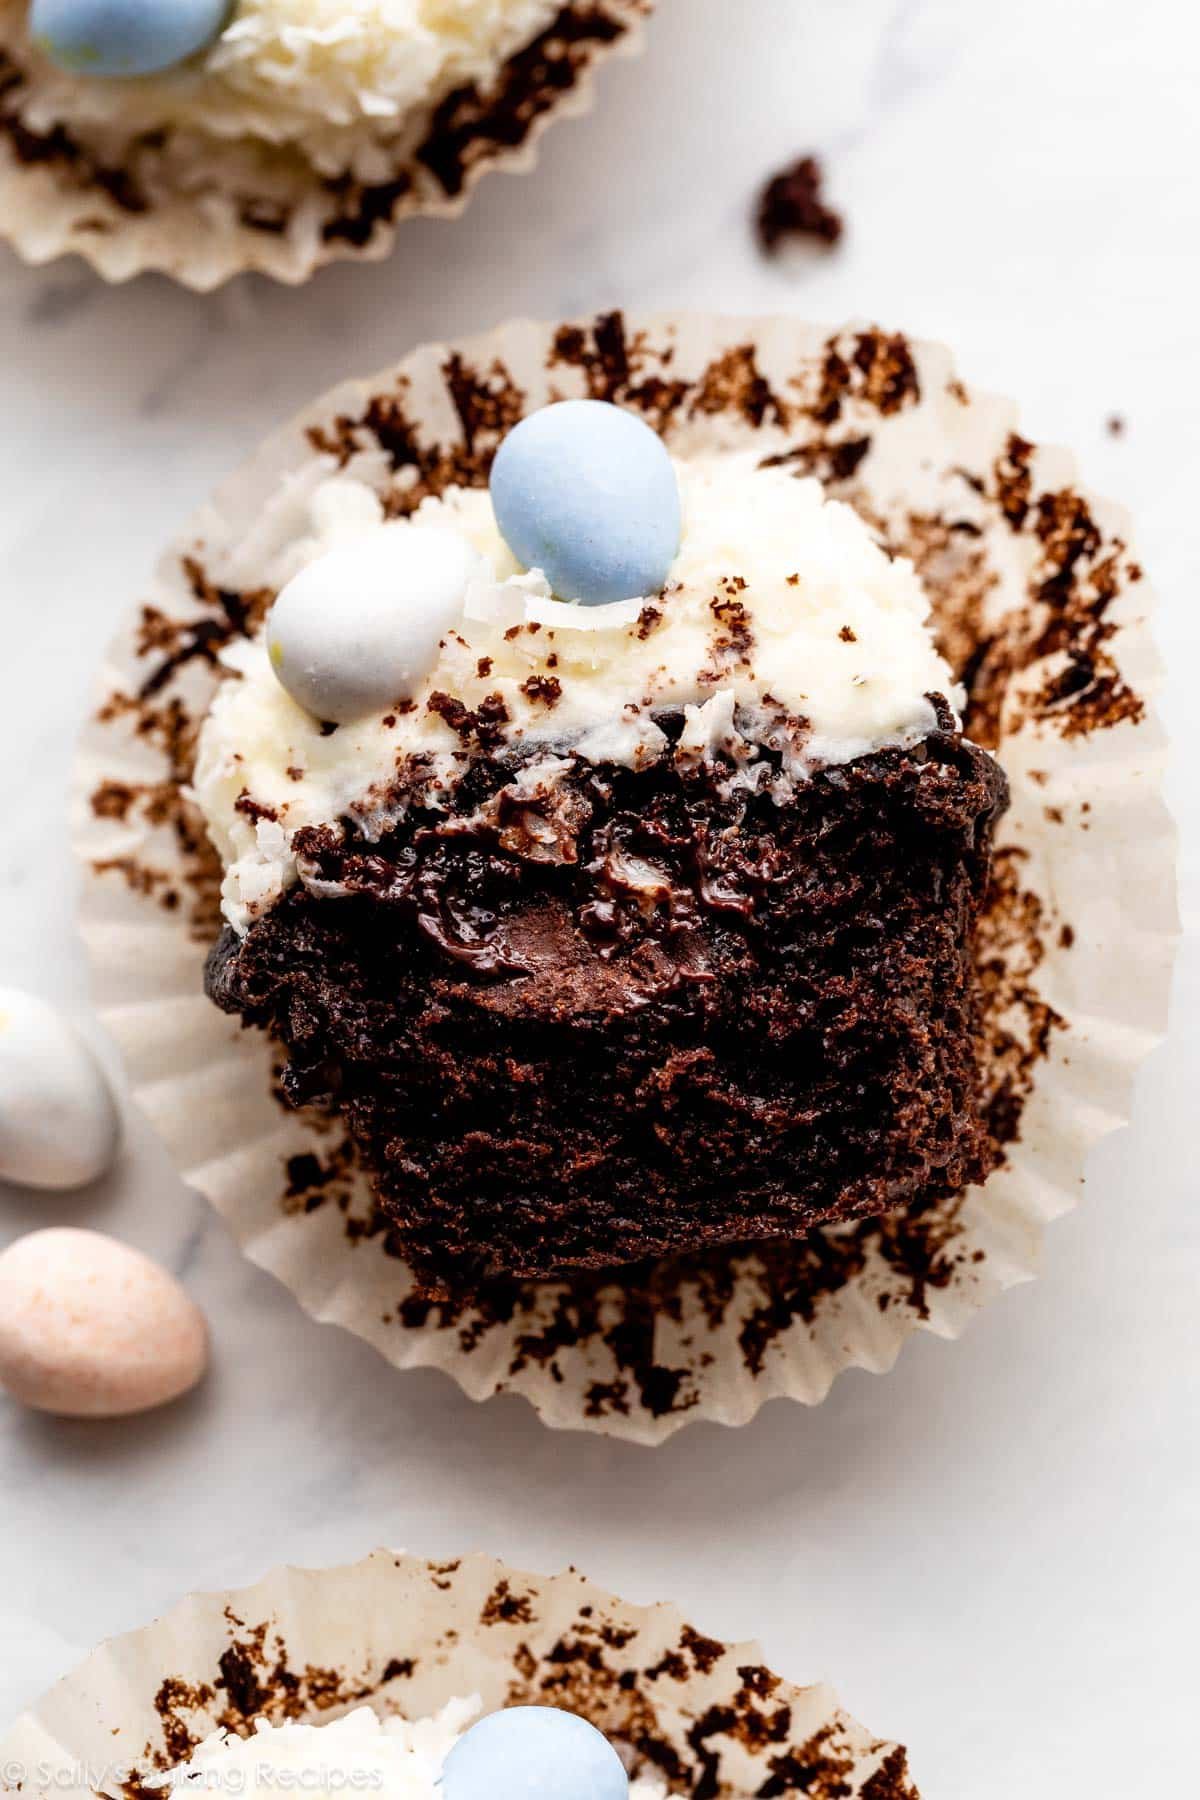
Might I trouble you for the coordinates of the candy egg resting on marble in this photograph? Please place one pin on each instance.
(411, 1759)
(630, 927)
(92, 1329)
(58, 1120)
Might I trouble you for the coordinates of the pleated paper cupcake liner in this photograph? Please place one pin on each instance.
(203, 213)
(406, 1637)
(1039, 602)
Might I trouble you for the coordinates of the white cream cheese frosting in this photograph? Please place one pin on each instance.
(360, 1754)
(783, 628)
(337, 79)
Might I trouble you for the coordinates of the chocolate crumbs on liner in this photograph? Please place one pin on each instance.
(620, 1667)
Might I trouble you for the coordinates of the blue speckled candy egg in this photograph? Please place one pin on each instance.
(587, 493)
(533, 1753)
(125, 37)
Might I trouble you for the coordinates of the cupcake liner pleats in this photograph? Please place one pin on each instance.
(1042, 607)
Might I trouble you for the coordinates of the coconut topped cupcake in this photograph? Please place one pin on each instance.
(338, 77)
(601, 605)
(606, 850)
(520, 1753)
(315, 121)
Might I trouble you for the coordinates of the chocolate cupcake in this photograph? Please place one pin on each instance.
(621, 901)
(202, 137)
(605, 905)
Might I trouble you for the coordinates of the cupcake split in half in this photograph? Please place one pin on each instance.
(606, 852)
(202, 137)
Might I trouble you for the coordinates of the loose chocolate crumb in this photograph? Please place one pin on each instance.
(792, 205)
(735, 640)
(254, 810)
(544, 688)
(483, 726)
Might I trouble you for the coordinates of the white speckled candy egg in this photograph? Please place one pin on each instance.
(58, 1121)
(358, 630)
(91, 1329)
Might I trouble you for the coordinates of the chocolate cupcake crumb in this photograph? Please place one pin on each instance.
(793, 205)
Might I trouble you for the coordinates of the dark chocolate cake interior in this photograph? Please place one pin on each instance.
(641, 1012)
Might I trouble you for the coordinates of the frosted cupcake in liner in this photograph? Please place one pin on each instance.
(204, 137)
(366, 1676)
(966, 1018)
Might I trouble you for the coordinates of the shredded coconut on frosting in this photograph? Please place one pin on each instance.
(783, 629)
(398, 1759)
(338, 79)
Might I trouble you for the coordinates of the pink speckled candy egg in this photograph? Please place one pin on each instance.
(92, 1329)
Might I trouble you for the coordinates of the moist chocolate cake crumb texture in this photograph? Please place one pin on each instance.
(678, 1018)
(792, 205)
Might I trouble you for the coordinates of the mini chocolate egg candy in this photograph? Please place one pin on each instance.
(58, 1121)
(91, 1329)
(125, 37)
(533, 1753)
(587, 493)
(358, 630)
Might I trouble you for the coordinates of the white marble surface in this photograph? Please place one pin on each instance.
(993, 1552)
